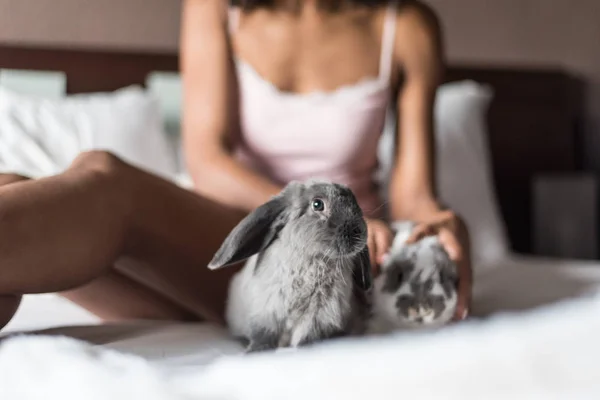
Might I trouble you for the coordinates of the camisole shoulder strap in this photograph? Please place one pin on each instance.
(233, 18)
(387, 41)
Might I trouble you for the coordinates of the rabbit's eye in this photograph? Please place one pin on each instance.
(318, 205)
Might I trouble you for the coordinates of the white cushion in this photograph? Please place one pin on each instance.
(41, 136)
(463, 165)
(465, 179)
(549, 353)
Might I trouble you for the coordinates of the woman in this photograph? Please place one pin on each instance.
(274, 90)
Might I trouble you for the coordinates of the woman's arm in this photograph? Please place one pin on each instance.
(412, 189)
(210, 112)
(420, 56)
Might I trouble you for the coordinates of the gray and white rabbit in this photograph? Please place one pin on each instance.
(417, 286)
(307, 273)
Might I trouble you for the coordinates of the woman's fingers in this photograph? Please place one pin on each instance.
(464, 300)
(431, 227)
(462, 311)
(451, 244)
(453, 237)
(419, 232)
(372, 248)
(379, 240)
(456, 253)
(383, 240)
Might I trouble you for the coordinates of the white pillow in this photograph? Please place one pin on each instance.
(465, 180)
(463, 165)
(41, 136)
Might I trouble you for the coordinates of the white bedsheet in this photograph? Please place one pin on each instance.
(520, 283)
(515, 284)
(547, 353)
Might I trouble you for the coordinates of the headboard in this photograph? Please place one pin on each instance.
(533, 118)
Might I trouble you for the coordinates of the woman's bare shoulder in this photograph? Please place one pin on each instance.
(215, 10)
(204, 27)
(415, 18)
(419, 40)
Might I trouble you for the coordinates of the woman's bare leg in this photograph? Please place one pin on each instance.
(112, 297)
(8, 303)
(64, 232)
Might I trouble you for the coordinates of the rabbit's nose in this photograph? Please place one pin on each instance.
(356, 231)
(355, 237)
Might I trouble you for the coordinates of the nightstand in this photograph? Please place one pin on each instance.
(565, 218)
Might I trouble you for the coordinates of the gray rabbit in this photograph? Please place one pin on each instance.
(307, 273)
(417, 287)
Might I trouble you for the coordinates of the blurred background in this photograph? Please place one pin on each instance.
(560, 36)
(561, 33)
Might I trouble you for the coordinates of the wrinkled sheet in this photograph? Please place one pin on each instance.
(529, 351)
(512, 285)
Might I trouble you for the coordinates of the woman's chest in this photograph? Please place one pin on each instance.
(302, 57)
(335, 127)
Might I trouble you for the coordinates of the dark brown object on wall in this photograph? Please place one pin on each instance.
(533, 118)
(534, 129)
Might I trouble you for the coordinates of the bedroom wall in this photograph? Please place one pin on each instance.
(564, 33)
(523, 32)
(128, 24)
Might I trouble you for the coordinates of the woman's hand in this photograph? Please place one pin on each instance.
(379, 241)
(453, 235)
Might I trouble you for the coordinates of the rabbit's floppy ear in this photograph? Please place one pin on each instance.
(362, 270)
(253, 234)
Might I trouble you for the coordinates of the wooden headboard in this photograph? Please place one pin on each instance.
(533, 118)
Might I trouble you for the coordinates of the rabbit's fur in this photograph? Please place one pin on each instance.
(307, 270)
(417, 287)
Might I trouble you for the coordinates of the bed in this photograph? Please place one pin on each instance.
(534, 112)
(531, 127)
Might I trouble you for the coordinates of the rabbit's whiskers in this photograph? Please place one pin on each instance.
(378, 207)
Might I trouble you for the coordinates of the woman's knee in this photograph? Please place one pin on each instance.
(106, 175)
(102, 168)
(9, 305)
(98, 162)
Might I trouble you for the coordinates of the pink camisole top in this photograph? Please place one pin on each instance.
(331, 135)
